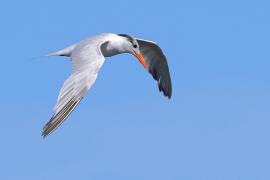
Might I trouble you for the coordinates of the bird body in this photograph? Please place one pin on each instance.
(116, 45)
(87, 58)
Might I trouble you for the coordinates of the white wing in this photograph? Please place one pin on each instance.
(86, 59)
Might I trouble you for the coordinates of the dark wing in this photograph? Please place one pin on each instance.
(157, 65)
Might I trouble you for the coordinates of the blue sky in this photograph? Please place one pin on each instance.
(215, 127)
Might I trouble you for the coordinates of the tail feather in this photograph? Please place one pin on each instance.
(64, 52)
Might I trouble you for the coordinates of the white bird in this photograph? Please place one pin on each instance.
(87, 58)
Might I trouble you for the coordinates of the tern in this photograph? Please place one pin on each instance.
(87, 58)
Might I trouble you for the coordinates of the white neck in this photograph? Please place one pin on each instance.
(115, 45)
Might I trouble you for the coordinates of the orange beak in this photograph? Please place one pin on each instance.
(141, 59)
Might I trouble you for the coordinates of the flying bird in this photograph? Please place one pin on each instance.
(87, 58)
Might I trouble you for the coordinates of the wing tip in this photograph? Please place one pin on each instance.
(44, 135)
(166, 88)
(167, 94)
(46, 129)
(59, 118)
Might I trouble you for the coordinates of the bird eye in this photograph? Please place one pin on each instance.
(135, 46)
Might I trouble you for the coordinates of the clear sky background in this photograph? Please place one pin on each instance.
(215, 127)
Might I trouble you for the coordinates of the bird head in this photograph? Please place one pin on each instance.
(131, 46)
